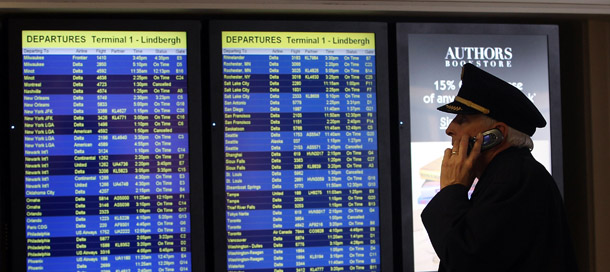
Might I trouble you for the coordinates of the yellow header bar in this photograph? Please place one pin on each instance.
(303, 40)
(102, 39)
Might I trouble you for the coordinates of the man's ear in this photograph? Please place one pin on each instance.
(503, 127)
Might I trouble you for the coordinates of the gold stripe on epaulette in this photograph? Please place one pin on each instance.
(472, 105)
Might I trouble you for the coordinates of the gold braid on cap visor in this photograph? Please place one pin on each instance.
(472, 105)
(453, 108)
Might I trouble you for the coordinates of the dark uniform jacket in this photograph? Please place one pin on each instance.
(514, 221)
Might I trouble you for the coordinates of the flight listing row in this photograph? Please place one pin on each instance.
(121, 104)
(235, 91)
(103, 64)
(58, 248)
(357, 214)
(258, 239)
(311, 257)
(105, 144)
(299, 157)
(107, 208)
(45, 169)
(81, 90)
(317, 179)
(293, 80)
(106, 184)
(101, 262)
(296, 64)
(63, 125)
(298, 203)
(62, 165)
(353, 140)
(64, 206)
(107, 225)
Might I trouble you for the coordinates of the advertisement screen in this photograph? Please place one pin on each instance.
(435, 62)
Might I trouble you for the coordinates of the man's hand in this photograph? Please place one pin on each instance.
(457, 164)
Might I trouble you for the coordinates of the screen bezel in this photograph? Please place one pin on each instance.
(4, 161)
(196, 172)
(402, 41)
(216, 81)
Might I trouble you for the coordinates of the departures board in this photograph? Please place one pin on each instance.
(301, 157)
(106, 150)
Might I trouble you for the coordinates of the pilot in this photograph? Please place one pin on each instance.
(515, 218)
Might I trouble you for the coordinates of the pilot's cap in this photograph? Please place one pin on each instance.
(483, 93)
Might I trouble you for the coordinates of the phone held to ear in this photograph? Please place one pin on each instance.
(491, 138)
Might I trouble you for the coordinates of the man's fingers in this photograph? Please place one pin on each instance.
(476, 149)
(447, 154)
(463, 150)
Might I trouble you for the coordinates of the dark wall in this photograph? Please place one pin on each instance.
(574, 92)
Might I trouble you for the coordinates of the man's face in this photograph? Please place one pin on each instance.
(467, 125)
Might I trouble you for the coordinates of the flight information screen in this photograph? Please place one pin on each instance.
(300, 151)
(106, 151)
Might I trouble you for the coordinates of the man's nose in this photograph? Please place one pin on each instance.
(450, 131)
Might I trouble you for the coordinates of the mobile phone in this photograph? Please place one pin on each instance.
(491, 138)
